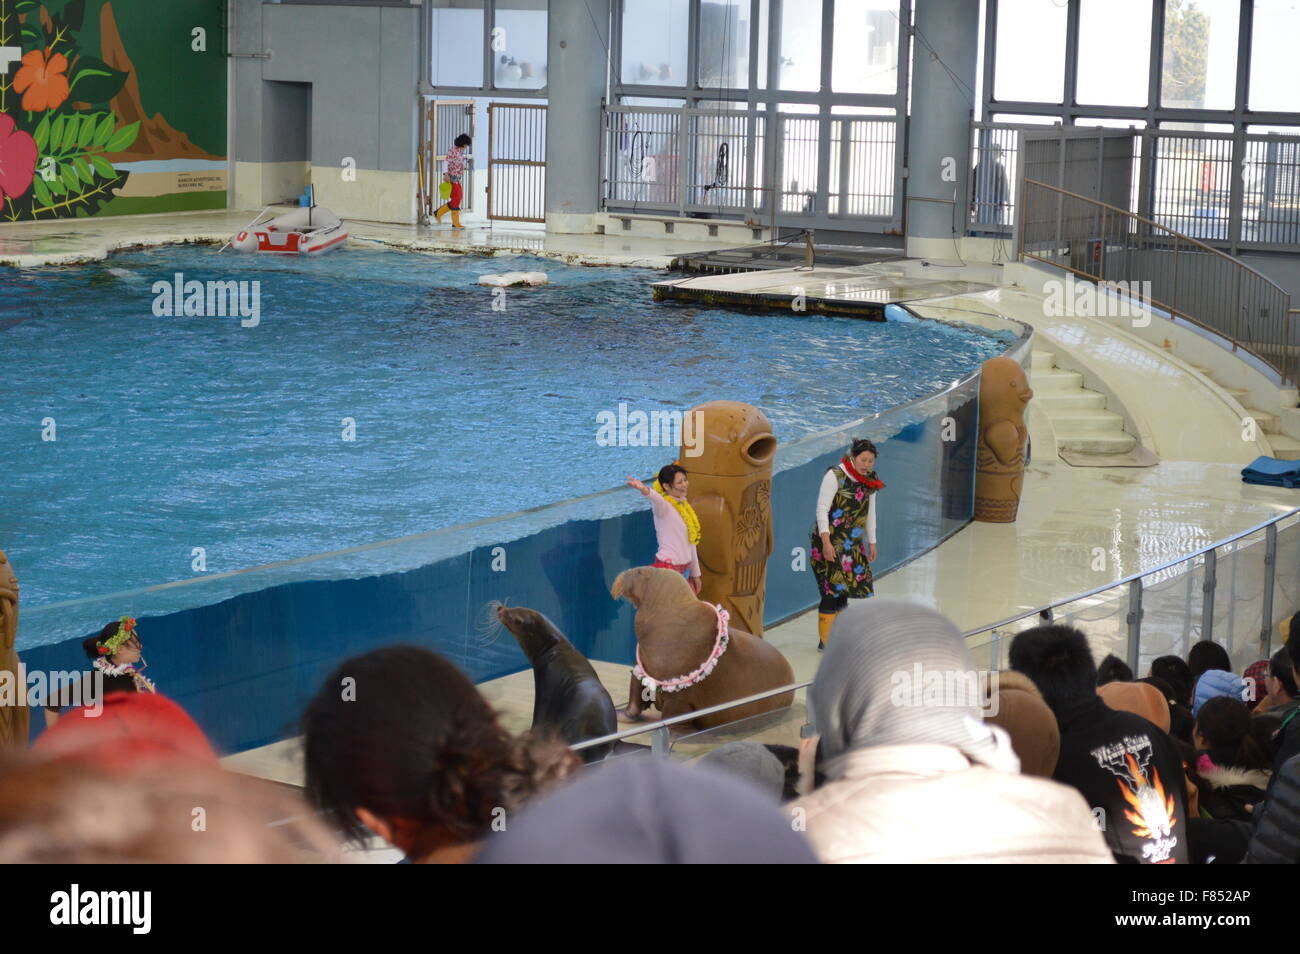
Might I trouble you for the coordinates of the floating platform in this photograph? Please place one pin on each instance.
(783, 255)
(859, 291)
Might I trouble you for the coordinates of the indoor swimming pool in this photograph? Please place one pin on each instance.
(378, 394)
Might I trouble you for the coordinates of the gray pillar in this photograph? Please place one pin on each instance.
(577, 40)
(940, 123)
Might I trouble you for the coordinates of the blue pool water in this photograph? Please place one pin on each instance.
(180, 432)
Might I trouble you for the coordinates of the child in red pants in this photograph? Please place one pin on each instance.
(455, 170)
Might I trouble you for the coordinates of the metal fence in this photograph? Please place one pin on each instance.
(1229, 189)
(516, 189)
(1234, 592)
(727, 163)
(1172, 271)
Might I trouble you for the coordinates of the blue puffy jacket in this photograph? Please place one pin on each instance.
(1216, 682)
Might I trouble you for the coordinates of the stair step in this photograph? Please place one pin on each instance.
(1088, 423)
(1097, 444)
(1042, 360)
(1266, 422)
(1056, 380)
(1285, 447)
(1078, 400)
(1238, 394)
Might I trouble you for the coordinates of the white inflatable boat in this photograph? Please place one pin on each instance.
(310, 230)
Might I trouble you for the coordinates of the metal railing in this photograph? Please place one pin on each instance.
(1237, 190)
(441, 121)
(1142, 615)
(728, 163)
(1155, 265)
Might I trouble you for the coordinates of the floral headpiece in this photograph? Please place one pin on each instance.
(125, 630)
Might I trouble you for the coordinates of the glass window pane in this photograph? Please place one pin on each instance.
(654, 42)
(866, 47)
(1029, 62)
(1274, 84)
(724, 44)
(519, 44)
(801, 46)
(1200, 54)
(1017, 120)
(763, 29)
(457, 49)
(1114, 52)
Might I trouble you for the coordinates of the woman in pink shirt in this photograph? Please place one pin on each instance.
(677, 530)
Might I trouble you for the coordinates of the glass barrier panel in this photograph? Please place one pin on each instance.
(1239, 599)
(1171, 612)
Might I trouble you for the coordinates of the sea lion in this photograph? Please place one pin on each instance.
(567, 694)
(675, 633)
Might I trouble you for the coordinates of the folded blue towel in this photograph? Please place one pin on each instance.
(1272, 472)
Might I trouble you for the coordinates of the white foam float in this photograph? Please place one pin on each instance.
(513, 279)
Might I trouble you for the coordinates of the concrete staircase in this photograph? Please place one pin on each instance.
(1079, 416)
(1284, 446)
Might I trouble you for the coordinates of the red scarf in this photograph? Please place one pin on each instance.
(853, 472)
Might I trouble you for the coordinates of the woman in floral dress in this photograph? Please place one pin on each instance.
(844, 536)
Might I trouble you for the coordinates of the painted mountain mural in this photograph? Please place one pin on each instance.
(110, 107)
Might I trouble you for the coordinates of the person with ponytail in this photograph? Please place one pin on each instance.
(677, 536)
(400, 743)
(1232, 768)
(844, 535)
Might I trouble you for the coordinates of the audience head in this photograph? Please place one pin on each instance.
(125, 731)
(1293, 646)
(1058, 660)
(1113, 669)
(63, 811)
(752, 761)
(400, 742)
(647, 810)
(1280, 681)
(1207, 655)
(1223, 731)
(865, 692)
(1255, 677)
(1140, 698)
(1018, 708)
(1177, 674)
(1216, 682)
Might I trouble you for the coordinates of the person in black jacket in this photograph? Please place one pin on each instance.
(1120, 762)
(1286, 744)
(1276, 839)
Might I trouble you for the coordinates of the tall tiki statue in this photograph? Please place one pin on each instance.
(13, 710)
(727, 450)
(1000, 460)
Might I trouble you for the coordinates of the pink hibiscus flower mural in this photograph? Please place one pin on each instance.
(17, 159)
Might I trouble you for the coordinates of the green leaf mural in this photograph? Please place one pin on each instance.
(66, 101)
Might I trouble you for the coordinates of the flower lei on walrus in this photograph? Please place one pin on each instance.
(700, 672)
(687, 512)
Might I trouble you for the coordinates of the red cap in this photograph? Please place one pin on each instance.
(127, 729)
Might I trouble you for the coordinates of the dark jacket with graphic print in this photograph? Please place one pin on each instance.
(1129, 769)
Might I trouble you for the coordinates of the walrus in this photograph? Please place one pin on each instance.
(568, 696)
(675, 633)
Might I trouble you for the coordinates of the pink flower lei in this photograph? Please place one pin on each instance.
(697, 675)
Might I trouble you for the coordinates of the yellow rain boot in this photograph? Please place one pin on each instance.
(824, 621)
(455, 219)
(442, 210)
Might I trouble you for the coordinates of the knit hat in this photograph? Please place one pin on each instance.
(1140, 698)
(1216, 682)
(649, 811)
(1253, 677)
(129, 728)
(1020, 710)
(751, 761)
(866, 690)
